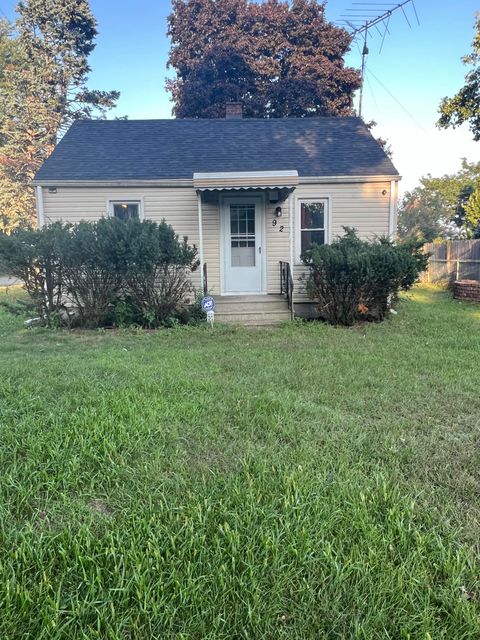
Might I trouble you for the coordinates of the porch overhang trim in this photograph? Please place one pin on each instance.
(245, 180)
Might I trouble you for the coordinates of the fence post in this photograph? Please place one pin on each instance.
(457, 273)
(449, 260)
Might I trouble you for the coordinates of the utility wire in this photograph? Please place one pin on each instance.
(369, 71)
(372, 93)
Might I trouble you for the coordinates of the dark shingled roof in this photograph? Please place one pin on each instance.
(162, 149)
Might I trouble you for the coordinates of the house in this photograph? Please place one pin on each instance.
(251, 194)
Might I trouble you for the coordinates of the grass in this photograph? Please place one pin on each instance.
(306, 482)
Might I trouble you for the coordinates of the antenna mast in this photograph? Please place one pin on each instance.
(365, 16)
(364, 61)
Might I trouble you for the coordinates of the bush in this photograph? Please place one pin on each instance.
(353, 279)
(155, 269)
(99, 273)
(90, 254)
(33, 256)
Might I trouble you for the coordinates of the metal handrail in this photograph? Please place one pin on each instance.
(205, 280)
(286, 284)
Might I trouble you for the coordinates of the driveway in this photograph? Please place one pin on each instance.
(7, 281)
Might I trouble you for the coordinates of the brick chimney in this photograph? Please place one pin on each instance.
(234, 111)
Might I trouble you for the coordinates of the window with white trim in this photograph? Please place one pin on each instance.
(313, 220)
(125, 209)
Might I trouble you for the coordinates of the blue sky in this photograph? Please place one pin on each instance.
(418, 65)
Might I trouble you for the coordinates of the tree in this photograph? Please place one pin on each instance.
(472, 212)
(14, 199)
(420, 216)
(383, 142)
(44, 88)
(465, 105)
(222, 76)
(277, 58)
(454, 192)
(8, 49)
(443, 207)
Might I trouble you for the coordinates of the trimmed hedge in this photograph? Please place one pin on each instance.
(109, 272)
(353, 279)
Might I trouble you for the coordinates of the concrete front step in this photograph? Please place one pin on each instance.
(253, 323)
(248, 307)
(252, 299)
(252, 318)
(266, 310)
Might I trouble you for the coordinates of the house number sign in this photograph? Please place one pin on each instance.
(280, 228)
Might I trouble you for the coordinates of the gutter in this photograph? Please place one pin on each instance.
(113, 183)
(392, 211)
(185, 182)
(40, 207)
(348, 179)
(200, 238)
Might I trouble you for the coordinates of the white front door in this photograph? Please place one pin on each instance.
(242, 223)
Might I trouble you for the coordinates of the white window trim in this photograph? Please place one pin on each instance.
(298, 217)
(133, 199)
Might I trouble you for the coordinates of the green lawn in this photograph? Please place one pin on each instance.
(305, 482)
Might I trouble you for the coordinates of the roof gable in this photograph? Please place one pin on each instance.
(94, 150)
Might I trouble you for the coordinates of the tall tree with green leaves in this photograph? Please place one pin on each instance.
(44, 91)
(15, 201)
(472, 212)
(464, 107)
(420, 215)
(448, 206)
(278, 58)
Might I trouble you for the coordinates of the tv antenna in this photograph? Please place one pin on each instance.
(365, 16)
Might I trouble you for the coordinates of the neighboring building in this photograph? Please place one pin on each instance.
(249, 193)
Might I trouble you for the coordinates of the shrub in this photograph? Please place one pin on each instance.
(156, 267)
(353, 279)
(109, 271)
(192, 313)
(91, 258)
(33, 256)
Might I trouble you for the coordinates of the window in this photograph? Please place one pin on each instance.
(125, 209)
(242, 235)
(313, 217)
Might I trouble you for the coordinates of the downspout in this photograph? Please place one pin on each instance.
(391, 215)
(292, 254)
(200, 235)
(40, 208)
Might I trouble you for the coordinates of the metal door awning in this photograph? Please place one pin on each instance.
(245, 180)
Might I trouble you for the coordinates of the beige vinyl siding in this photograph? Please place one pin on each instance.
(361, 205)
(177, 205)
(211, 245)
(277, 243)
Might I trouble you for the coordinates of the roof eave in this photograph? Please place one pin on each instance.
(185, 182)
(165, 182)
(345, 179)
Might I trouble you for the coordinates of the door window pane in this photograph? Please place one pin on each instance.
(242, 231)
(243, 257)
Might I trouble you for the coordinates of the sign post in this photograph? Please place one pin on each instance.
(208, 305)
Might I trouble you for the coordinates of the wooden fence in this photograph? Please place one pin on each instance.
(453, 260)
